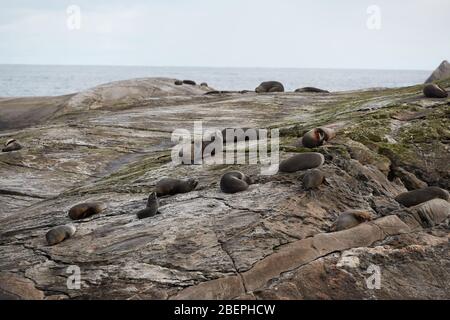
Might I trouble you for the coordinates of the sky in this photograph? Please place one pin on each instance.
(359, 34)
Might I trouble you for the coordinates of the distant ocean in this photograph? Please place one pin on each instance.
(34, 80)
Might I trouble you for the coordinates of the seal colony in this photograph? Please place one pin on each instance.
(428, 204)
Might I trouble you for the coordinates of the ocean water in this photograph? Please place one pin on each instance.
(40, 80)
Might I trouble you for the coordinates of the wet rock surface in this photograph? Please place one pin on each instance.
(112, 145)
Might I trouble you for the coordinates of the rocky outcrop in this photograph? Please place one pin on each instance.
(269, 241)
(441, 73)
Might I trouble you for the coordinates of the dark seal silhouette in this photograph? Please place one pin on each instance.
(311, 89)
(270, 86)
(170, 187)
(415, 197)
(151, 209)
(190, 82)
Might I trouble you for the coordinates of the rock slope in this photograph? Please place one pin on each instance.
(271, 241)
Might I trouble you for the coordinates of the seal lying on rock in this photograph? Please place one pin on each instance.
(312, 179)
(59, 234)
(178, 82)
(415, 197)
(316, 137)
(87, 209)
(270, 86)
(350, 219)
(302, 161)
(203, 84)
(311, 89)
(170, 187)
(190, 82)
(152, 207)
(433, 90)
(217, 92)
(11, 145)
(234, 181)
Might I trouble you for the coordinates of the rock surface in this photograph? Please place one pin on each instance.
(441, 73)
(113, 143)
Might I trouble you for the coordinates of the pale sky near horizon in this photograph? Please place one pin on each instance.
(228, 33)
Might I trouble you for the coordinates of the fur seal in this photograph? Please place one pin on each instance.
(433, 90)
(152, 207)
(234, 181)
(84, 210)
(59, 234)
(312, 179)
(302, 161)
(350, 219)
(317, 136)
(169, 186)
(190, 82)
(203, 84)
(270, 86)
(178, 82)
(415, 197)
(217, 92)
(11, 145)
(311, 89)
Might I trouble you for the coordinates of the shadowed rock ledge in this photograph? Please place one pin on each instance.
(112, 144)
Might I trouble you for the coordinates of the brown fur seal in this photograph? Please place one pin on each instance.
(234, 181)
(433, 90)
(216, 92)
(415, 197)
(11, 145)
(313, 138)
(350, 219)
(178, 82)
(85, 210)
(270, 86)
(203, 84)
(152, 207)
(190, 82)
(302, 161)
(59, 234)
(316, 137)
(169, 186)
(312, 179)
(311, 89)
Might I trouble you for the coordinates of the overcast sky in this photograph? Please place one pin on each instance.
(227, 33)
